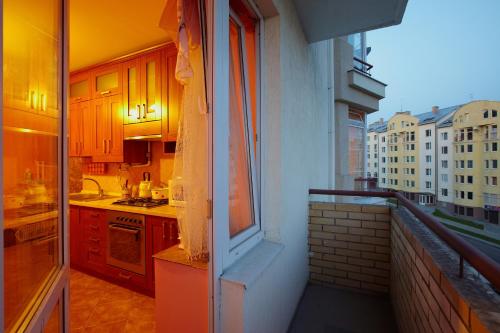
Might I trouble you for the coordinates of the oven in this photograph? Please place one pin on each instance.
(126, 241)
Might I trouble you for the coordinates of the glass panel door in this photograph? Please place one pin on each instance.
(32, 158)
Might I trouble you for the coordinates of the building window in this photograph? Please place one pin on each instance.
(428, 184)
(470, 164)
(462, 148)
(469, 148)
(487, 164)
(383, 170)
(243, 108)
(428, 132)
(494, 181)
(461, 210)
(462, 194)
(444, 178)
(486, 180)
(444, 136)
(427, 171)
(494, 164)
(383, 180)
(486, 147)
(485, 114)
(444, 150)
(462, 179)
(469, 133)
(444, 192)
(444, 164)
(494, 146)
(428, 145)
(428, 158)
(356, 132)
(470, 211)
(493, 113)
(383, 139)
(470, 179)
(469, 195)
(462, 164)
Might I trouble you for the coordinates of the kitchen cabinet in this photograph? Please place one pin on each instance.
(108, 125)
(164, 233)
(81, 129)
(142, 88)
(93, 242)
(79, 87)
(106, 80)
(75, 233)
(171, 95)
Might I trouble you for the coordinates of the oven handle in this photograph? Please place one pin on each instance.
(128, 230)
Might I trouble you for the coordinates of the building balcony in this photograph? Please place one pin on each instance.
(391, 267)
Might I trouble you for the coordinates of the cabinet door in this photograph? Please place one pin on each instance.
(114, 146)
(151, 86)
(79, 87)
(132, 91)
(86, 128)
(164, 233)
(75, 120)
(106, 81)
(75, 232)
(172, 94)
(100, 124)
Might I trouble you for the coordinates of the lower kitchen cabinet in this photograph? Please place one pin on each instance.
(89, 246)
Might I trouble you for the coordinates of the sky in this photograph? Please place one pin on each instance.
(445, 52)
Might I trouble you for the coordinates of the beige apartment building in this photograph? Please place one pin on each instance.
(445, 157)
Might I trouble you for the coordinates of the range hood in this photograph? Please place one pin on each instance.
(146, 131)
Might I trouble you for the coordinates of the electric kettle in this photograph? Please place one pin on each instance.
(145, 186)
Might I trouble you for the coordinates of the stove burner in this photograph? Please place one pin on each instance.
(141, 202)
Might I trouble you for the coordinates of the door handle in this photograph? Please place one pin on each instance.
(105, 92)
(124, 276)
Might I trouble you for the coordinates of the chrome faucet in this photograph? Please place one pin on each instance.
(100, 192)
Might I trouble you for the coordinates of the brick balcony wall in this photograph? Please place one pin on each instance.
(349, 245)
(383, 250)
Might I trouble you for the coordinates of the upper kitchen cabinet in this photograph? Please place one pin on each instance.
(171, 95)
(108, 124)
(31, 61)
(106, 80)
(79, 87)
(81, 129)
(142, 88)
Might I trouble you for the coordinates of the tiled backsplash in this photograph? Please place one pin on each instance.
(161, 171)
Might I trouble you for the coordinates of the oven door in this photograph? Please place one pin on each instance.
(126, 248)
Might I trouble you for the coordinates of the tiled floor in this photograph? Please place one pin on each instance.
(330, 310)
(99, 306)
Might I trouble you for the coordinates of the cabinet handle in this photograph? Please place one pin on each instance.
(95, 251)
(144, 110)
(163, 227)
(171, 226)
(138, 111)
(95, 240)
(81, 148)
(124, 276)
(109, 146)
(105, 92)
(94, 227)
(104, 146)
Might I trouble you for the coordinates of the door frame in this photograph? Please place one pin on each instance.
(58, 287)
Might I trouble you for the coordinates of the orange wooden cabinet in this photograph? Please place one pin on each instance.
(142, 88)
(108, 123)
(106, 80)
(171, 95)
(81, 130)
(79, 87)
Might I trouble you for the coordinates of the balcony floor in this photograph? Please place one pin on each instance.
(331, 310)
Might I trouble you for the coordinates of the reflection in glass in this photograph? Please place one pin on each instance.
(32, 100)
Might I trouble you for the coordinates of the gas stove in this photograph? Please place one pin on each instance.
(141, 202)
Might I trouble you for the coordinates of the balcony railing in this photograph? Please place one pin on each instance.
(362, 66)
(477, 259)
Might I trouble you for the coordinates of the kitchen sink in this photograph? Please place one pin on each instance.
(89, 197)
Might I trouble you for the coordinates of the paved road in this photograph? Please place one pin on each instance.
(490, 250)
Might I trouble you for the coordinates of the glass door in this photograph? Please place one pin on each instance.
(33, 137)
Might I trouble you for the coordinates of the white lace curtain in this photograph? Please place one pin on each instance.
(191, 159)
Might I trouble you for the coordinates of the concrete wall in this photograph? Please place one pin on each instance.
(422, 153)
(445, 171)
(295, 157)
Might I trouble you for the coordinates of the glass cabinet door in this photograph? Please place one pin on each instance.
(32, 159)
(132, 92)
(151, 87)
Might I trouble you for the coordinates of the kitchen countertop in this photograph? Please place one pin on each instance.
(161, 211)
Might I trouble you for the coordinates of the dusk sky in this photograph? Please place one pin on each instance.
(444, 53)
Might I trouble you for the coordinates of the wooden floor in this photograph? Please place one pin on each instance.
(99, 306)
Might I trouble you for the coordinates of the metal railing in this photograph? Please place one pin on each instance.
(489, 268)
(362, 66)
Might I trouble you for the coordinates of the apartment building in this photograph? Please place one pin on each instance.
(446, 157)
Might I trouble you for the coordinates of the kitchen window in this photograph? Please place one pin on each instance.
(244, 219)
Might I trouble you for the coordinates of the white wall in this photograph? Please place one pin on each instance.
(295, 157)
(422, 164)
